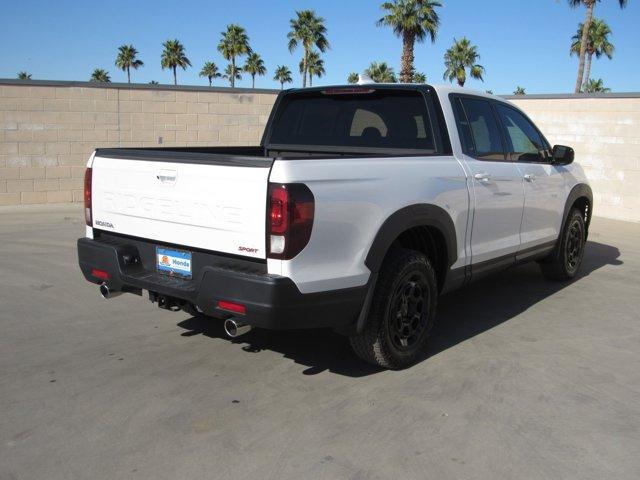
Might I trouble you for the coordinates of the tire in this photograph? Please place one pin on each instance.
(563, 264)
(402, 312)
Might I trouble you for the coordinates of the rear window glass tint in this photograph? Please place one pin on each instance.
(383, 119)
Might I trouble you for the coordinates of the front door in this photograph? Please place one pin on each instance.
(543, 182)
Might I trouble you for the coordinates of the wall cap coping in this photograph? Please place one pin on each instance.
(133, 86)
(546, 96)
(204, 88)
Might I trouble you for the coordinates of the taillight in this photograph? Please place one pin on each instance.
(291, 211)
(87, 197)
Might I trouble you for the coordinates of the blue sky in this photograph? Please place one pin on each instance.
(520, 42)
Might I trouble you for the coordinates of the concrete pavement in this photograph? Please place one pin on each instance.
(526, 379)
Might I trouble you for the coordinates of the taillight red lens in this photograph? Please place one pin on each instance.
(87, 197)
(292, 208)
(279, 209)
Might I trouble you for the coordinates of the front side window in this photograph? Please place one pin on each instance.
(524, 142)
(485, 133)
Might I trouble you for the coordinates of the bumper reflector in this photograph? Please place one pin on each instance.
(100, 274)
(232, 307)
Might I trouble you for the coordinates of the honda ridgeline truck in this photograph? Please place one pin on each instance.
(359, 208)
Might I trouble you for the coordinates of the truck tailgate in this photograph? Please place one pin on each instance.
(212, 205)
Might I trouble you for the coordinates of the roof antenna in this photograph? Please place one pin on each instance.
(364, 79)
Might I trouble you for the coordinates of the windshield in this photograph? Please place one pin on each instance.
(386, 119)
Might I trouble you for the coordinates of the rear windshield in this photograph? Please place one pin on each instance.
(382, 119)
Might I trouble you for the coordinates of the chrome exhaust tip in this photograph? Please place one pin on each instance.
(234, 328)
(107, 293)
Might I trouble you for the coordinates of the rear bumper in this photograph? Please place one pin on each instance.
(271, 301)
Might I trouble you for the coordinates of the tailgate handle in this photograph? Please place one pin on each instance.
(167, 176)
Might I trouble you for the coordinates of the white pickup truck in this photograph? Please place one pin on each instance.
(361, 205)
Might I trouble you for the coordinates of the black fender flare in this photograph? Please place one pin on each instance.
(578, 191)
(418, 215)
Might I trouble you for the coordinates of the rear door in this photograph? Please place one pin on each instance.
(543, 182)
(497, 184)
(194, 202)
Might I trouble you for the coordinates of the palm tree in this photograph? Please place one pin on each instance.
(590, 4)
(307, 30)
(173, 56)
(315, 66)
(232, 73)
(254, 66)
(234, 43)
(210, 70)
(419, 77)
(460, 57)
(353, 77)
(519, 91)
(153, 82)
(127, 60)
(282, 75)
(597, 44)
(490, 92)
(100, 75)
(411, 20)
(24, 76)
(381, 73)
(595, 86)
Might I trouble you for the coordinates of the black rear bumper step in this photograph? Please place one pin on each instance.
(271, 301)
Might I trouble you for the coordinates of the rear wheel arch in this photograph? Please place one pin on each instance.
(422, 227)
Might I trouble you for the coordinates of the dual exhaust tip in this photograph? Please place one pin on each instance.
(107, 293)
(232, 326)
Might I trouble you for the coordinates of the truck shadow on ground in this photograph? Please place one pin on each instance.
(461, 315)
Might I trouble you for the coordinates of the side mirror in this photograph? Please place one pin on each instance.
(563, 155)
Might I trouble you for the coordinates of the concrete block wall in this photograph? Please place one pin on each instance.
(605, 133)
(49, 129)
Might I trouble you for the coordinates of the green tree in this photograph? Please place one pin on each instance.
(411, 20)
(234, 43)
(598, 44)
(381, 73)
(419, 77)
(24, 76)
(232, 73)
(315, 66)
(595, 86)
(100, 75)
(584, 41)
(254, 66)
(173, 56)
(519, 91)
(462, 56)
(153, 82)
(307, 30)
(210, 71)
(126, 60)
(353, 77)
(282, 75)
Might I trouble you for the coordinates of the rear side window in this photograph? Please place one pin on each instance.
(524, 142)
(485, 133)
(385, 119)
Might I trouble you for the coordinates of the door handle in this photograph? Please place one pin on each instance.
(529, 177)
(483, 177)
